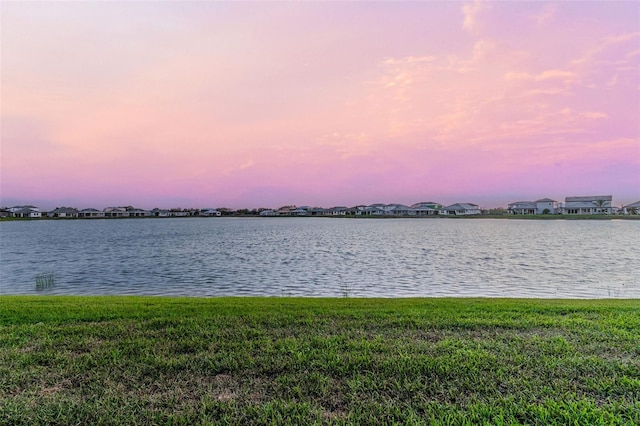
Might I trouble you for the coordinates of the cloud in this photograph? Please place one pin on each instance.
(554, 74)
(409, 60)
(546, 15)
(595, 114)
(471, 11)
(608, 43)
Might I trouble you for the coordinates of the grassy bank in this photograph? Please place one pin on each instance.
(135, 360)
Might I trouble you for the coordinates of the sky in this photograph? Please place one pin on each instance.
(264, 104)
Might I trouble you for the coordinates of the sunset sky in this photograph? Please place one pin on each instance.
(263, 104)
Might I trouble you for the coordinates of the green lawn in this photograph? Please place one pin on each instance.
(142, 360)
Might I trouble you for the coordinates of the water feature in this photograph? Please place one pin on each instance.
(323, 257)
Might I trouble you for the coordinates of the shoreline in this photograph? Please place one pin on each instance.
(435, 217)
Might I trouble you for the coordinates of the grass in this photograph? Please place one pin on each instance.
(142, 360)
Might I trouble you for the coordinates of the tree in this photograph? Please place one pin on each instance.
(601, 204)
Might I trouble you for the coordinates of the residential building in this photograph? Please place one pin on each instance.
(522, 207)
(461, 209)
(139, 213)
(633, 208)
(91, 213)
(210, 212)
(116, 212)
(25, 212)
(542, 206)
(65, 212)
(398, 210)
(160, 212)
(427, 208)
(596, 204)
(546, 206)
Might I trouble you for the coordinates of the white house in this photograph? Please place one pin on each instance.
(160, 212)
(398, 210)
(542, 206)
(461, 209)
(337, 211)
(116, 212)
(597, 204)
(546, 206)
(299, 212)
(139, 213)
(63, 212)
(210, 212)
(426, 208)
(268, 212)
(31, 212)
(178, 213)
(633, 208)
(90, 213)
(522, 207)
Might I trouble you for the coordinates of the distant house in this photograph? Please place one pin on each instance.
(589, 205)
(285, 211)
(210, 212)
(398, 210)
(316, 211)
(66, 212)
(178, 213)
(160, 212)
(461, 209)
(299, 212)
(268, 212)
(373, 210)
(31, 212)
(91, 213)
(337, 211)
(522, 207)
(426, 208)
(542, 206)
(546, 206)
(139, 213)
(115, 212)
(633, 208)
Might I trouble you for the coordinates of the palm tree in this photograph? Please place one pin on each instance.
(601, 203)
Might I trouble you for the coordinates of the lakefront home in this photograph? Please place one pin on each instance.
(31, 212)
(66, 212)
(597, 204)
(542, 206)
(461, 209)
(210, 212)
(633, 208)
(91, 213)
(426, 208)
(116, 212)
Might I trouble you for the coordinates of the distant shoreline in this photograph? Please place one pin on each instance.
(475, 217)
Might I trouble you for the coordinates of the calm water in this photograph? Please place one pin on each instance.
(323, 257)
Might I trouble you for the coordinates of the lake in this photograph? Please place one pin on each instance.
(322, 257)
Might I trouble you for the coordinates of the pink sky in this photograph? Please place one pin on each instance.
(262, 104)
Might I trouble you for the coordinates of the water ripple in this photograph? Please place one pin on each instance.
(323, 257)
